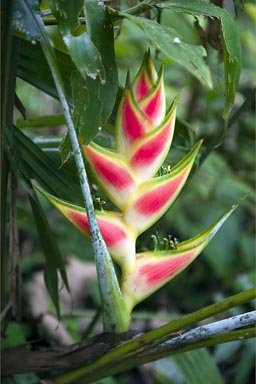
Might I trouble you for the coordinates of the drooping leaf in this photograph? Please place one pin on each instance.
(54, 262)
(83, 52)
(33, 68)
(53, 258)
(41, 168)
(230, 40)
(92, 52)
(169, 41)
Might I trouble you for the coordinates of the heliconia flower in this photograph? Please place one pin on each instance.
(147, 153)
(142, 108)
(153, 104)
(152, 270)
(112, 172)
(128, 176)
(119, 174)
(146, 78)
(119, 238)
(152, 198)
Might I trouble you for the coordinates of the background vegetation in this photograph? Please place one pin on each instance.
(225, 171)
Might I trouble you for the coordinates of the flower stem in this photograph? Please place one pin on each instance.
(115, 317)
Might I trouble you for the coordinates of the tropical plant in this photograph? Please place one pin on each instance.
(132, 131)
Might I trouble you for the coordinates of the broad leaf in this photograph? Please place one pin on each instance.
(82, 50)
(87, 106)
(170, 43)
(230, 39)
(92, 52)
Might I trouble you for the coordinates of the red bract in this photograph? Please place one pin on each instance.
(144, 132)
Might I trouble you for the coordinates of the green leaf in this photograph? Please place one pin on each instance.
(87, 106)
(41, 168)
(83, 52)
(14, 334)
(8, 81)
(98, 99)
(230, 39)
(170, 43)
(65, 149)
(186, 131)
(33, 68)
(52, 254)
(198, 365)
(246, 364)
(100, 29)
(94, 90)
(21, 21)
(41, 121)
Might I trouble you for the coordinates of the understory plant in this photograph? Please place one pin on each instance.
(133, 178)
(114, 135)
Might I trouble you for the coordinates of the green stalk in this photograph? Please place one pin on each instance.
(241, 334)
(151, 339)
(155, 354)
(115, 316)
